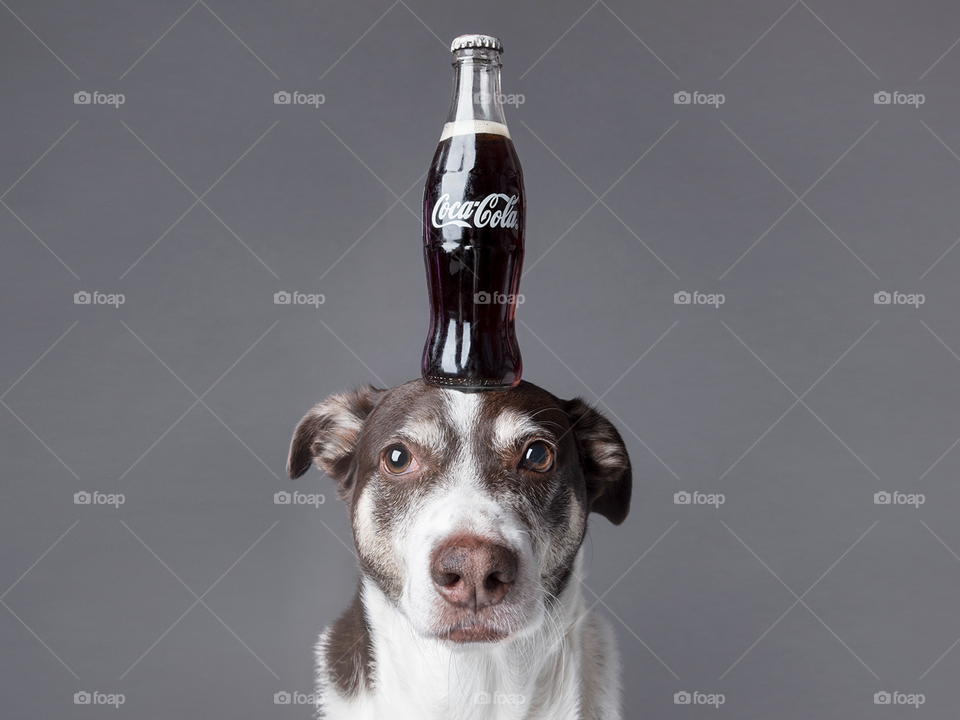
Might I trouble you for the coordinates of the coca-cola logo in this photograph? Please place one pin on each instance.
(496, 210)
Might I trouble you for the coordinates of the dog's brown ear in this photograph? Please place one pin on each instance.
(604, 459)
(328, 434)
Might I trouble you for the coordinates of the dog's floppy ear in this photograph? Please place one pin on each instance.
(328, 434)
(604, 459)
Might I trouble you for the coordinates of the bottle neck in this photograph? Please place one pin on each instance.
(476, 93)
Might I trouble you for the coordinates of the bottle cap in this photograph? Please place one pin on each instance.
(476, 41)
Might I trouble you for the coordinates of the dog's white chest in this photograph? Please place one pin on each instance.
(543, 677)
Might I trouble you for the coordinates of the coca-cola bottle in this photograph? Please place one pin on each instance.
(473, 215)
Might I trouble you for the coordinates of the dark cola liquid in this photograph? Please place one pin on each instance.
(474, 193)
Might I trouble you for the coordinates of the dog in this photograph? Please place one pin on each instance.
(469, 512)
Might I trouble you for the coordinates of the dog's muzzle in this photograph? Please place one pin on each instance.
(472, 574)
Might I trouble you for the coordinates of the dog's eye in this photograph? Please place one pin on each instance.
(537, 457)
(399, 461)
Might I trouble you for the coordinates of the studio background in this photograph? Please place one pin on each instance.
(798, 199)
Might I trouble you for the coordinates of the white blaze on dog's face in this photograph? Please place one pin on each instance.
(468, 509)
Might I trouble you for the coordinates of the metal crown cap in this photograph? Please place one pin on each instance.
(476, 41)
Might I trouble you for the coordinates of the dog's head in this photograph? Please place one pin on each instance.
(468, 509)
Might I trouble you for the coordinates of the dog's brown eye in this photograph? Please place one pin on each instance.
(398, 460)
(537, 457)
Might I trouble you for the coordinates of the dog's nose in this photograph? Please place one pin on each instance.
(473, 573)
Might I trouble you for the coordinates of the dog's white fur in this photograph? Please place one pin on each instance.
(568, 669)
(559, 661)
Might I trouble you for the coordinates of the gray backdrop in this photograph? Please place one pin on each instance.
(798, 198)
